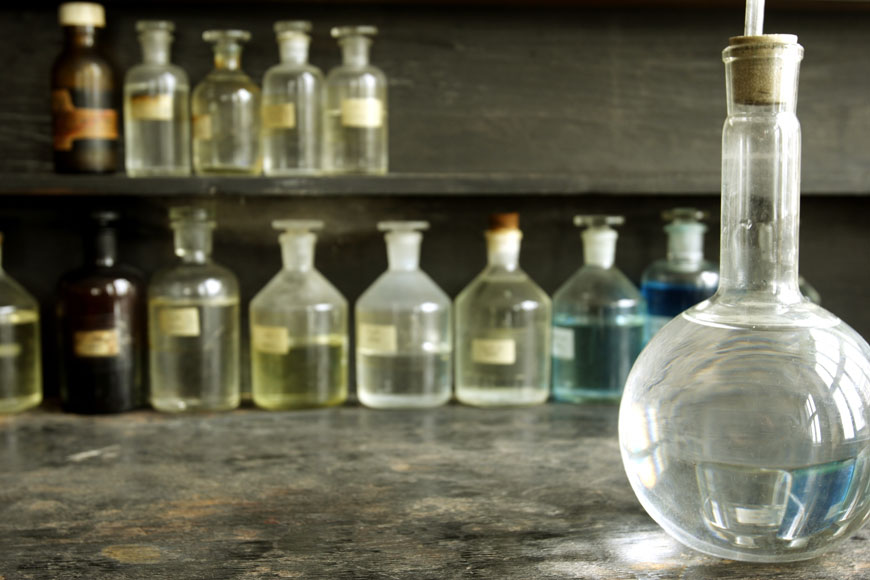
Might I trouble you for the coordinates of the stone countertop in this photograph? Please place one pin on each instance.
(342, 493)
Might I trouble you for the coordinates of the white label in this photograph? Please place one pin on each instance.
(279, 116)
(563, 343)
(97, 343)
(271, 339)
(202, 127)
(9, 349)
(180, 321)
(378, 338)
(151, 107)
(365, 113)
(494, 351)
(759, 516)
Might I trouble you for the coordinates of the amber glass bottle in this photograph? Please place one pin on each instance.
(85, 121)
(101, 322)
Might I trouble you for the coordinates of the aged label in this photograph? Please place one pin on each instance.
(180, 321)
(563, 343)
(365, 113)
(378, 338)
(202, 127)
(97, 343)
(72, 124)
(9, 349)
(152, 107)
(271, 339)
(494, 351)
(279, 116)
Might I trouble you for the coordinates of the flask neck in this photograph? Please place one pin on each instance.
(503, 249)
(155, 46)
(193, 242)
(355, 50)
(227, 55)
(403, 250)
(599, 247)
(294, 50)
(80, 36)
(297, 251)
(102, 248)
(685, 245)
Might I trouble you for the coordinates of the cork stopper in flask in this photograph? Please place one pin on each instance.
(763, 68)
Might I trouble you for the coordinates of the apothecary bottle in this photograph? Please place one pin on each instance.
(599, 321)
(745, 423)
(503, 327)
(356, 107)
(403, 329)
(193, 323)
(101, 321)
(84, 114)
(226, 111)
(156, 107)
(299, 333)
(292, 110)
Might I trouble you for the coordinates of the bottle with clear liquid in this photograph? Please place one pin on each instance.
(156, 108)
(226, 111)
(298, 330)
(356, 107)
(292, 111)
(503, 327)
(685, 278)
(193, 323)
(745, 423)
(20, 349)
(403, 341)
(599, 321)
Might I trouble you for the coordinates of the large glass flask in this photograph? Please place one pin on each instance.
(599, 321)
(356, 107)
(403, 342)
(292, 116)
(226, 111)
(503, 327)
(745, 426)
(193, 323)
(298, 330)
(156, 108)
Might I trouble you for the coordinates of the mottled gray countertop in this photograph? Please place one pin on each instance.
(342, 493)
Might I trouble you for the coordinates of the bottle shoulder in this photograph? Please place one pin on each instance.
(289, 290)
(283, 71)
(164, 76)
(502, 287)
(82, 68)
(368, 73)
(186, 280)
(117, 280)
(594, 286)
(225, 82)
(13, 296)
(399, 289)
(705, 274)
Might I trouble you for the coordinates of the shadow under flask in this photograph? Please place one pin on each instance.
(403, 329)
(193, 323)
(226, 111)
(356, 107)
(745, 426)
(156, 108)
(20, 349)
(292, 110)
(599, 321)
(503, 327)
(298, 330)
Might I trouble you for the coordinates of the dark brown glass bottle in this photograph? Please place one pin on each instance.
(85, 120)
(101, 322)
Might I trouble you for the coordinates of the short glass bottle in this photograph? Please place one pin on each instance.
(101, 312)
(403, 329)
(226, 112)
(503, 327)
(156, 108)
(292, 113)
(356, 107)
(298, 330)
(20, 349)
(685, 278)
(193, 323)
(599, 321)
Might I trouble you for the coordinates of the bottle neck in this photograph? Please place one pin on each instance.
(227, 55)
(155, 47)
(503, 249)
(297, 251)
(685, 245)
(80, 36)
(355, 50)
(294, 50)
(102, 248)
(193, 242)
(403, 250)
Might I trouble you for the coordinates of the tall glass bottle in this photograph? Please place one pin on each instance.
(226, 111)
(156, 108)
(403, 342)
(292, 114)
(599, 321)
(193, 323)
(685, 278)
(101, 312)
(20, 349)
(745, 423)
(356, 107)
(503, 327)
(83, 95)
(298, 330)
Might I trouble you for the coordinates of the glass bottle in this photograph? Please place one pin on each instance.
(809, 290)
(298, 330)
(685, 278)
(193, 323)
(292, 114)
(503, 327)
(745, 425)
(156, 108)
(403, 342)
(85, 121)
(356, 107)
(20, 349)
(101, 315)
(599, 321)
(226, 111)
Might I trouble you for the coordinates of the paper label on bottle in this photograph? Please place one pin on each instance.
(378, 338)
(73, 123)
(180, 321)
(494, 351)
(202, 127)
(563, 343)
(759, 515)
(271, 339)
(279, 116)
(362, 113)
(97, 343)
(152, 107)
(9, 349)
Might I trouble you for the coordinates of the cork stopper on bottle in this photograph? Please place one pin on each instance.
(763, 68)
(504, 221)
(82, 14)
